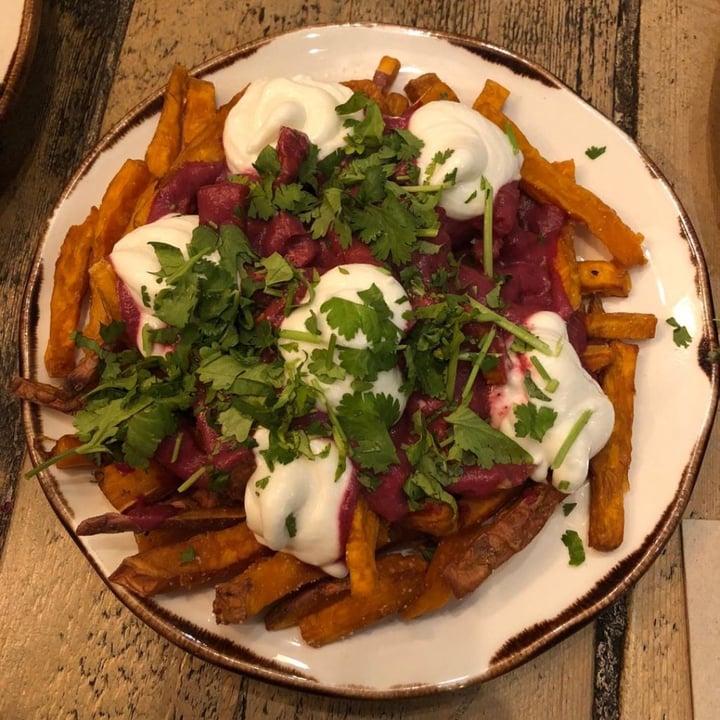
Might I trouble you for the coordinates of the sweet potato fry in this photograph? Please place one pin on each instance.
(191, 521)
(428, 87)
(596, 357)
(396, 104)
(186, 564)
(498, 540)
(462, 561)
(436, 519)
(604, 278)
(566, 265)
(69, 287)
(386, 73)
(493, 94)
(200, 108)
(167, 140)
(207, 145)
(400, 579)
(124, 488)
(69, 442)
(609, 468)
(620, 326)
(546, 183)
(288, 611)
(262, 583)
(103, 285)
(360, 549)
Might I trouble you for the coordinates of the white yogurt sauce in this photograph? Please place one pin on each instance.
(576, 392)
(268, 104)
(136, 264)
(307, 492)
(345, 281)
(480, 149)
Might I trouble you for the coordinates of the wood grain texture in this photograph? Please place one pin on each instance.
(635, 60)
(52, 126)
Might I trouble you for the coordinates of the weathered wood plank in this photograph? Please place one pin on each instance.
(52, 126)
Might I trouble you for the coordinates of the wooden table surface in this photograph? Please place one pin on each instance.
(68, 648)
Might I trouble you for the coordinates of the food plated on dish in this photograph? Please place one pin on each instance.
(332, 331)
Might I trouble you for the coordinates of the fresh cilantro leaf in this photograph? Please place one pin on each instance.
(681, 336)
(488, 445)
(576, 550)
(234, 424)
(533, 420)
(291, 525)
(278, 270)
(267, 163)
(567, 508)
(187, 556)
(594, 151)
(532, 389)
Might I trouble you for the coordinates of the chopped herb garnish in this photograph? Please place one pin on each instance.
(567, 508)
(291, 525)
(489, 192)
(576, 550)
(594, 151)
(533, 421)
(681, 336)
(188, 555)
(572, 436)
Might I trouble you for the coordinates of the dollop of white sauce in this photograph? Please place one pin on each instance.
(480, 149)
(345, 281)
(307, 491)
(268, 104)
(576, 392)
(136, 263)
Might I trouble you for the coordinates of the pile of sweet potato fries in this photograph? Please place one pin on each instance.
(207, 540)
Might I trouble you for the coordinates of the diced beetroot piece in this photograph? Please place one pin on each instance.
(521, 246)
(480, 482)
(279, 231)
(389, 499)
(190, 458)
(177, 194)
(292, 148)
(526, 280)
(545, 220)
(474, 282)
(225, 455)
(505, 207)
(218, 204)
(302, 251)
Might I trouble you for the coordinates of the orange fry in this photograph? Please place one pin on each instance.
(360, 549)
(609, 468)
(605, 278)
(265, 581)
(620, 325)
(190, 562)
(200, 108)
(429, 87)
(124, 488)
(167, 140)
(69, 288)
(566, 266)
(400, 579)
(386, 73)
(493, 94)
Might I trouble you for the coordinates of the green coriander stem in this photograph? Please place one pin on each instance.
(302, 336)
(488, 227)
(193, 479)
(572, 436)
(517, 330)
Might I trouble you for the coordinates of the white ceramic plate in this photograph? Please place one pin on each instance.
(18, 33)
(536, 598)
